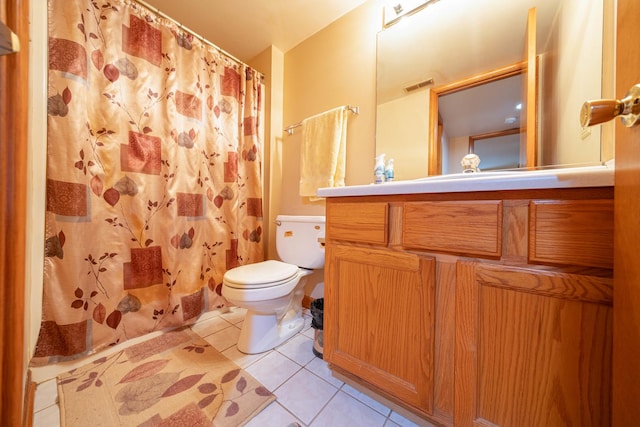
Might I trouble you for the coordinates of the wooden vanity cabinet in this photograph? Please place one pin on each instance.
(382, 320)
(533, 348)
(475, 309)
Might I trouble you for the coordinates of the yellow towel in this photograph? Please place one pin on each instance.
(323, 152)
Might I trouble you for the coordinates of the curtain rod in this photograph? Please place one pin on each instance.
(163, 15)
(353, 109)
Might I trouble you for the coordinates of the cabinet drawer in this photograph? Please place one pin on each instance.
(463, 227)
(358, 222)
(571, 232)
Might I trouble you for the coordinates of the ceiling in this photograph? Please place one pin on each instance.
(245, 28)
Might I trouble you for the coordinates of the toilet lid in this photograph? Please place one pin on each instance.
(260, 275)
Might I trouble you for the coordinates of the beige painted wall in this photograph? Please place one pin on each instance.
(569, 50)
(271, 63)
(402, 132)
(36, 163)
(336, 66)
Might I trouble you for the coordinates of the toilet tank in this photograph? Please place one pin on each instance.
(300, 240)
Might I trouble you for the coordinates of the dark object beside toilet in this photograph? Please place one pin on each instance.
(317, 313)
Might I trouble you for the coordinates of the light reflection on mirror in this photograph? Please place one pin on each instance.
(450, 40)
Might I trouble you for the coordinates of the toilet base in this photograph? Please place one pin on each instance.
(262, 332)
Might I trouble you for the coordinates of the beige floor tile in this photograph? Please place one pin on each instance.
(235, 315)
(241, 359)
(273, 370)
(46, 395)
(321, 369)
(273, 415)
(224, 339)
(373, 404)
(48, 417)
(346, 411)
(299, 349)
(210, 326)
(305, 394)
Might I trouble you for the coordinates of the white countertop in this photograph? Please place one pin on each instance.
(575, 177)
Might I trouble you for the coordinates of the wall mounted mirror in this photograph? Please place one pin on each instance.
(450, 40)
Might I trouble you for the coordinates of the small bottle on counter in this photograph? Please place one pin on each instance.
(389, 173)
(378, 170)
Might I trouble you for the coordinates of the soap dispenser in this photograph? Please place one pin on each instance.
(389, 173)
(378, 169)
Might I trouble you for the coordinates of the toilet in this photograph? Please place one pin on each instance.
(272, 291)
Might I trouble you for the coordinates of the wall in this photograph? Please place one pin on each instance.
(271, 63)
(574, 46)
(37, 162)
(402, 132)
(458, 148)
(334, 67)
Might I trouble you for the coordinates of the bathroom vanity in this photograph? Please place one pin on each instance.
(475, 301)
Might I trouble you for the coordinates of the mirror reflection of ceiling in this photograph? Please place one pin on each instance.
(447, 41)
(499, 110)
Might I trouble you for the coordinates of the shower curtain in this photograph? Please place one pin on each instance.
(154, 182)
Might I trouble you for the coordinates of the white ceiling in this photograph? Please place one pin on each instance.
(245, 28)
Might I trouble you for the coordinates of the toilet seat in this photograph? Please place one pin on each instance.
(265, 274)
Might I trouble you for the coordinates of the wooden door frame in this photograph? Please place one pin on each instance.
(14, 116)
(626, 297)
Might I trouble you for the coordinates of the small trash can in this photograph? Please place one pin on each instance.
(317, 312)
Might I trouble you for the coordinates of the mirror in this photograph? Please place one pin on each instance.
(487, 133)
(446, 42)
(455, 116)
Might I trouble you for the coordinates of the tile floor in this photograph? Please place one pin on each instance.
(307, 394)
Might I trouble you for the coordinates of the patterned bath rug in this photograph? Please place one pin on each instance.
(176, 379)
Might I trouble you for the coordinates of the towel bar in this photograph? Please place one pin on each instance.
(353, 109)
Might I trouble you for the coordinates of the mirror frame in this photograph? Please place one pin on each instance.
(435, 124)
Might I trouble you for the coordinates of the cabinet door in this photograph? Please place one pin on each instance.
(533, 348)
(379, 320)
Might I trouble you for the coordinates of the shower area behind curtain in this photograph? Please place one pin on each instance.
(154, 182)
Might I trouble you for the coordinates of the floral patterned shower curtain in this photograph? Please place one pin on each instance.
(154, 184)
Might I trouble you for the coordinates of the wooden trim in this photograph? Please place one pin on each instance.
(434, 166)
(531, 129)
(465, 341)
(480, 79)
(14, 75)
